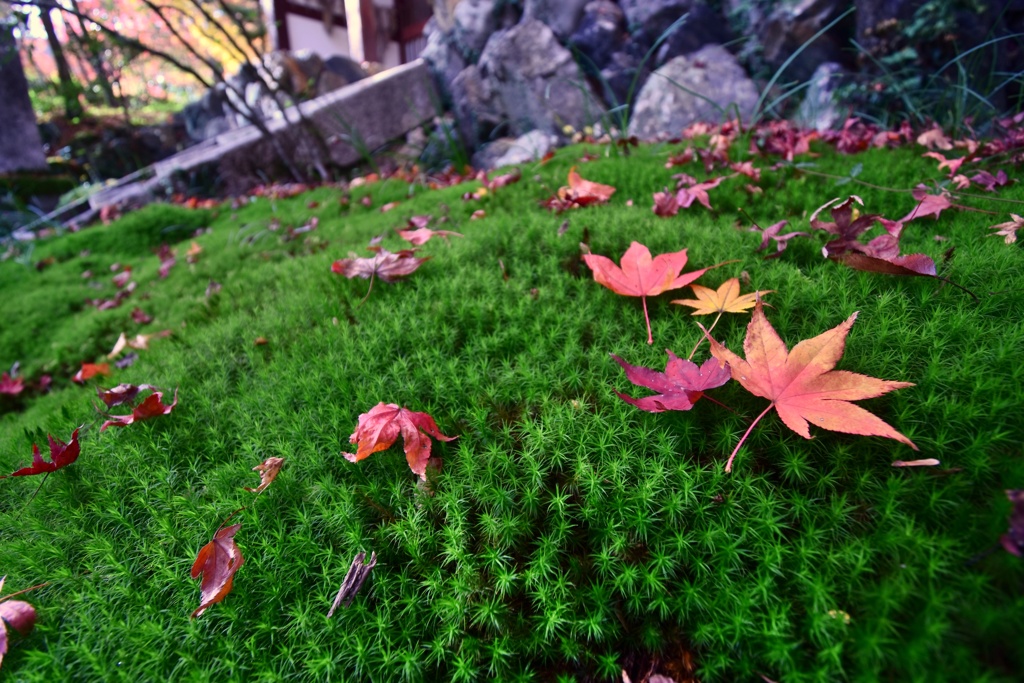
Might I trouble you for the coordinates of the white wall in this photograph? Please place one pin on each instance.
(309, 34)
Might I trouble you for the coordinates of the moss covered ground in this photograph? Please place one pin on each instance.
(568, 533)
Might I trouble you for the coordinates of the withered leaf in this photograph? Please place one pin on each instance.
(268, 470)
(217, 562)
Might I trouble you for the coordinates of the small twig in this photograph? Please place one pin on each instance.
(25, 590)
(363, 300)
(701, 340)
(357, 574)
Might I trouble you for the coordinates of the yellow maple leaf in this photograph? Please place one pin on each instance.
(727, 299)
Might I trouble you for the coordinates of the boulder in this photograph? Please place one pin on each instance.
(561, 16)
(600, 33)
(529, 147)
(622, 78)
(820, 109)
(792, 25)
(878, 22)
(704, 25)
(477, 110)
(474, 22)
(534, 81)
(706, 86)
(640, 12)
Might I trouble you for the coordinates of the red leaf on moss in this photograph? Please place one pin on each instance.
(771, 234)
(90, 370)
(11, 386)
(679, 387)
(641, 275)
(122, 393)
(217, 562)
(420, 236)
(152, 407)
(928, 204)
(386, 265)
(801, 384)
(379, 428)
(20, 615)
(61, 455)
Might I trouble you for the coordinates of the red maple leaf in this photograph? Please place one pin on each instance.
(928, 204)
(61, 455)
(19, 614)
(122, 393)
(379, 428)
(641, 275)
(699, 192)
(384, 264)
(578, 193)
(11, 386)
(420, 236)
(801, 384)
(679, 387)
(771, 233)
(152, 407)
(217, 561)
(1013, 539)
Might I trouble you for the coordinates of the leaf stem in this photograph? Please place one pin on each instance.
(363, 300)
(728, 465)
(650, 337)
(707, 332)
(25, 590)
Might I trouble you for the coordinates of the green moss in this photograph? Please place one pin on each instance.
(566, 528)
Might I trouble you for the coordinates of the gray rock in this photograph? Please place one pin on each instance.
(535, 81)
(477, 110)
(475, 21)
(878, 20)
(444, 60)
(338, 72)
(487, 156)
(704, 25)
(561, 16)
(819, 109)
(529, 147)
(639, 12)
(790, 26)
(601, 32)
(699, 87)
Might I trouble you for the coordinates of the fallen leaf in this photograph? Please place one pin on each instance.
(578, 193)
(388, 207)
(127, 361)
(665, 204)
(217, 561)
(1013, 539)
(699, 192)
(420, 236)
(141, 317)
(679, 387)
(934, 138)
(726, 299)
(268, 470)
(61, 455)
(90, 370)
(384, 264)
(19, 614)
(771, 233)
(212, 288)
(1009, 229)
(192, 255)
(167, 260)
(928, 204)
(152, 407)
(801, 384)
(641, 275)
(260, 341)
(11, 386)
(122, 278)
(990, 182)
(379, 428)
(119, 346)
(924, 462)
(122, 393)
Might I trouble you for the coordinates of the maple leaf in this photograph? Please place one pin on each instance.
(384, 264)
(1008, 230)
(90, 370)
(152, 407)
(1013, 539)
(679, 387)
(726, 299)
(771, 233)
(61, 455)
(122, 278)
(928, 204)
(19, 614)
(12, 386)
(420, 236)
(801, 384)
(192, 255)
(934, 138)
(217, 561)
(268, 470)
(665, 204)
(122, 393)
(699, 192)
(990, 182)
(379, 428)
(167, 260)
(141, 317)
(579, 192)
(641, 275)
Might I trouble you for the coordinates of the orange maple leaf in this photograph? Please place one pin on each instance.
(801, 384)
(641, 275)
(726, 299)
